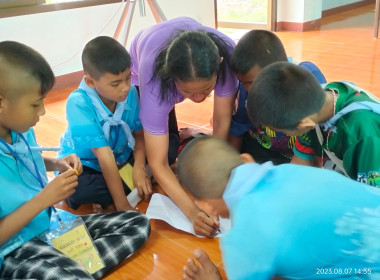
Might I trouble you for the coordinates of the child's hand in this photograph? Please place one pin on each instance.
(59, 188)
(142, 182)
(205, 225)
(71, 161)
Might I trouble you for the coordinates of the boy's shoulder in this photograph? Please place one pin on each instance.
(350, 93)
(133, 97)
(353, 101)
(133, 93)
(78, 92)
(78, 95)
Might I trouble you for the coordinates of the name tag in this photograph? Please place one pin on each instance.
(77, 244)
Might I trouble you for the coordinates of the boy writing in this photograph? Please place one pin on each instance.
(283, 224)
(26, 196)
(339, 121)
(255, 50)
(104, 128)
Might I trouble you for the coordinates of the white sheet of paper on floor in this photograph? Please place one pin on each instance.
(133, 198)
(163, 208)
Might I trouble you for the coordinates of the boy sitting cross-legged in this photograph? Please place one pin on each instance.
(104, 129)
(26, 196)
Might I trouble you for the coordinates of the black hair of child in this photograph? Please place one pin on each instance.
(103, 55)
(282, 95)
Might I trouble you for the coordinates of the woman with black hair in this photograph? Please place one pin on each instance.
(172, 61)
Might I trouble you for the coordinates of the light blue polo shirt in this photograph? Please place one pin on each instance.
(85, 127)
(300, 222)
(17, 186)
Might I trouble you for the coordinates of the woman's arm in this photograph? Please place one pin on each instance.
(222, 115)
(157, 153)
(140, 178)
(112, 177)
(235, 142)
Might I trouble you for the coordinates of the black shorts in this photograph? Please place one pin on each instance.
(92, 188)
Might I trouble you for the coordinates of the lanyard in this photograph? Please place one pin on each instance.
(36, 175)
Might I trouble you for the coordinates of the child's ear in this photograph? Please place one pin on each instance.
(90, 81)
(2, 99)
(306, 123)
(247, 158)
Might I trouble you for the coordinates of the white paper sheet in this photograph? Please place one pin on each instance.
(133, 198)
(163, 208)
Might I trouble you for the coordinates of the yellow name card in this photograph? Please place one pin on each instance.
(77, 245)
(126, 175)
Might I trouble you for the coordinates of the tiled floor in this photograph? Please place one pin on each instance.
(343, 48)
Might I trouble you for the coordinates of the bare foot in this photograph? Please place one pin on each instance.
(206, 270)
(97, 208)
(110, 208)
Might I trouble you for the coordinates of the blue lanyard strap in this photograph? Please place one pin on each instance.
(37, 174)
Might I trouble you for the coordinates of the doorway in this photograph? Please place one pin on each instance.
(246, 14)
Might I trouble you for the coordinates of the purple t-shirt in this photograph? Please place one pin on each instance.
(144, 49)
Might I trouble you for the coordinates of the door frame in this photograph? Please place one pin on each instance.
(269, 25)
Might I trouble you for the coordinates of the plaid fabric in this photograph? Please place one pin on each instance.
(116, 236)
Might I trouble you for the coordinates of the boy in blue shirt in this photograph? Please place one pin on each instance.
(255, 50)
(26, 196)
(288, 221)
(104, 128)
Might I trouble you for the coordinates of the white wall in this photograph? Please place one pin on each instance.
(61, 35)
(299, 10)
(330, 4)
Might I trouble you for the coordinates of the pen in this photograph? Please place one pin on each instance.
(55, 149)
(58, 217)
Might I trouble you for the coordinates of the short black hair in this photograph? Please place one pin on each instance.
(28, 60)
(282, 95)
(103, 55)
(257, 47)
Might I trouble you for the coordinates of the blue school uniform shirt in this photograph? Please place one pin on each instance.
(17, 186)
(85, 127)
(300, 222)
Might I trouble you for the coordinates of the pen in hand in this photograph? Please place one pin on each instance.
(218, 231)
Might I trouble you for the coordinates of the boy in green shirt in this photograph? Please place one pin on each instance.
(339, 121)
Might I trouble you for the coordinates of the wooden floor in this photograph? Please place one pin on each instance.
(343, 48)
